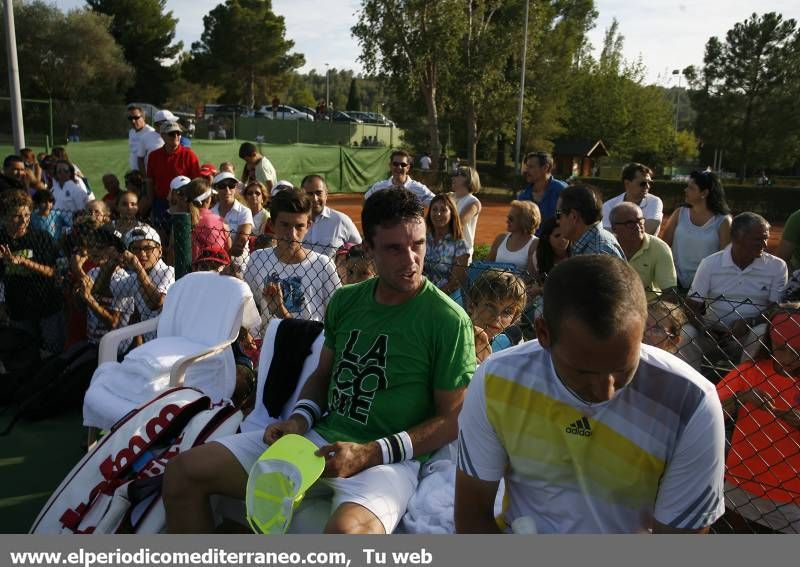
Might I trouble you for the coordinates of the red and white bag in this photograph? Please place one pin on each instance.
(116, 488)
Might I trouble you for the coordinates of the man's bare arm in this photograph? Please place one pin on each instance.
(474, 505)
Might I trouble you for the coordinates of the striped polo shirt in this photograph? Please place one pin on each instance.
(654, 451)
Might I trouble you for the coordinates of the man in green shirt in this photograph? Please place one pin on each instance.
(788, 249)
(647, 254)
(386, 393)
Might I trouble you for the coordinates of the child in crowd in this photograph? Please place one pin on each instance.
(227, 166)
(664, 323)
(496, 301)
(46, 218)
(127, 209)
(762, 397)
(352, 264)
(134, 182)
(111, 185)
(99, 211)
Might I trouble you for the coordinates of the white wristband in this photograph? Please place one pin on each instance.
(308, 410)
(396, 448)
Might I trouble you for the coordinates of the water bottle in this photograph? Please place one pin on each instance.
(524, 525)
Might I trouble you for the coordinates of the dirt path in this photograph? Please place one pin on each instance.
(491, 222)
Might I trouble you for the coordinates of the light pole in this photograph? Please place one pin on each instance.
(17, 127)
(327, 86)
(677, 97)
(518, 144)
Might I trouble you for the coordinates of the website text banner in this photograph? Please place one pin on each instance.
(367, 551)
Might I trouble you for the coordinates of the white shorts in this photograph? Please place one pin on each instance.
(383, 490)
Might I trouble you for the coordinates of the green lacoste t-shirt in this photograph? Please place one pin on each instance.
(389, 360)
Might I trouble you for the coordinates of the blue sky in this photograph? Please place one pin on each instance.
(668, 34)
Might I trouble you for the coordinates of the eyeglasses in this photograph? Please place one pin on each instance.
(630, 224)
(399, 164)
(561, 212)
(134, 118)
(175, 133)
(146, 249)
(229, 185)
(62, 170)
(645, 184)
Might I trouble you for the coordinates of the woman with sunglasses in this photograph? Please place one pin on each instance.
(465, 184)
(699, 228)
(255, 195)
(237, 216)
(69, 191)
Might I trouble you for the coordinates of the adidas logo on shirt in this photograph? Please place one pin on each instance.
(580, 427)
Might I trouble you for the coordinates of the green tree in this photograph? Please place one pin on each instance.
(609, 101)
(746, 93)
(146, 33)
(353, 100)
(411, 43)
(70, 57)
(243, 50)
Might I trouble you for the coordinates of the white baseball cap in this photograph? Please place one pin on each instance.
(223, 175)
(162, 115)
(178, 182)
(141, 232)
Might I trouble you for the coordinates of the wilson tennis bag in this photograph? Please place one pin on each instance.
(116, 488)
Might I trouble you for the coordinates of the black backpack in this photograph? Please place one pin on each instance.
(60, 383)
(19, 354)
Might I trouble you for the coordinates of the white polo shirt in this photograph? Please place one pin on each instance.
(149, 143)
(134, 139)
(732, 293)
(421, 191)
(330, 230)
(652, 208)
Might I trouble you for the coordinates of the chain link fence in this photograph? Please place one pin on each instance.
(746, 350)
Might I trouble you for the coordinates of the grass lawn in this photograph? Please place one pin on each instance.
(34, 459)
(111, 156)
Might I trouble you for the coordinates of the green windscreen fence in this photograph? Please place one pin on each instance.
(345, 169)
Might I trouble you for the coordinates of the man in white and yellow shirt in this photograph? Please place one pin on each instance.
(592, 431)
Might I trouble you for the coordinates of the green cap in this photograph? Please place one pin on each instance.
(278, 481)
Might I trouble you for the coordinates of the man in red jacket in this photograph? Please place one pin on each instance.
(163, 165)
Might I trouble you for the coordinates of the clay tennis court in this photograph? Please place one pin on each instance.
(492, 220)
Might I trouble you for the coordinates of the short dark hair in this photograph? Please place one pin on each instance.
(12, 159)
(585, 200)
(387, 208)
(291, 200)
(312, 177)
(599, 290)
(247, 149)
(403, 153)
(630, 171)
(543, 158)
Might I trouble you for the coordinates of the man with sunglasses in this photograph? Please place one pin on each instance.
(650, 256)
(400, 166)
(636, 178)
(151, 141)
(139, 128)
(163, 165)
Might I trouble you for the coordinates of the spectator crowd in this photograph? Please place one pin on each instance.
(587, 367)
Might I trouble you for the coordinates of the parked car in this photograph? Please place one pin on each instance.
(284, 112)
(306, 109)
(226, 109)
(339, 116)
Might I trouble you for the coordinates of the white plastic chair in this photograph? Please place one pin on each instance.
(200, 318)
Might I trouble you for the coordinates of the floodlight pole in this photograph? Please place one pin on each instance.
(17, 126)
(518, 144)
